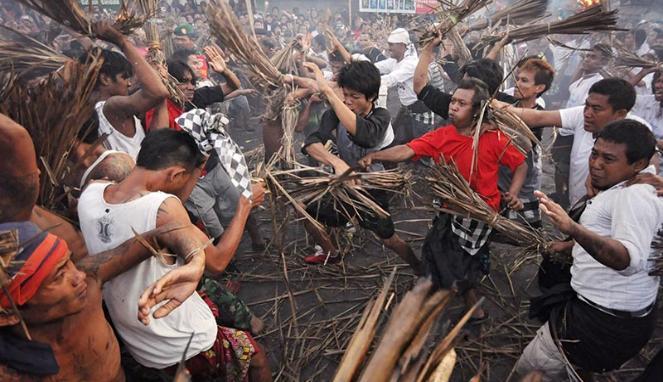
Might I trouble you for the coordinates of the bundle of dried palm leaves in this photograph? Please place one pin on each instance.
(225, 26)
(461, 50)
(450, 15)
(54, 112)
(402, 353)
(520, 12)
(459, 199)
(303, 186)
(289, 117)
(25, 55)
(595, 19)
(9, 249)
(519, 133)
(132, 14)
(157, 59)
(626, 59)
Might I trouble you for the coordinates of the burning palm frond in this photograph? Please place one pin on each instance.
(54, 112)
(69, 13)
(520, 12)
(450, 15)
(594, 19)
(459, 199)
(25, 55)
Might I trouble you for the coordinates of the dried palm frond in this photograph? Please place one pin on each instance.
(459, 199)
(519, 12)
(595, 19)
(626, 59)
(520, 134)
(25, 55)
(157, 59)
(9, 248)
(449, 16)
(461, 50)
(69, 13)
(289, 117)
(225, 26)
(66, 12)
(133, 14)
(349, 192)
(54, 112)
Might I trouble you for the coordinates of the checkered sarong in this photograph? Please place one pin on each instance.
(472, 234)
(209, 132)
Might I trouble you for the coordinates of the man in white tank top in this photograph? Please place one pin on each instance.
(167, 168)
(116, 109)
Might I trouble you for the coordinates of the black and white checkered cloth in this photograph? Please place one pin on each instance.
(472, 234)
(209, 132)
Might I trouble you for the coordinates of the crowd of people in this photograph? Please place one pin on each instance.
(168, 172)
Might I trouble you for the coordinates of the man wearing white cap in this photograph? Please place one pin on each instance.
(414, 118)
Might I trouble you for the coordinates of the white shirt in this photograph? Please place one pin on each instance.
(401, 74)
(631, 215)
(573, 122)
(161, 343)
(579, 89)
(651, 111)
(116, 140)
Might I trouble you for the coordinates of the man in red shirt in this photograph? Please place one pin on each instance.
(456, 248)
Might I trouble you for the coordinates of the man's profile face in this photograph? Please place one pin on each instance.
(525, 84)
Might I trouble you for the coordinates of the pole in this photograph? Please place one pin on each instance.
(350, 13)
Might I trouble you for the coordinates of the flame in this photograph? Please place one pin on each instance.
(588, 3)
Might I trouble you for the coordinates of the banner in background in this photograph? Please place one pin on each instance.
(397, 6)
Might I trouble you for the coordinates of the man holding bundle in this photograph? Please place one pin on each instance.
(456, 249)
(358, 127)
(607, 313)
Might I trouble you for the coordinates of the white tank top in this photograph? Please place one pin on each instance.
(162, 342)
(116, 140)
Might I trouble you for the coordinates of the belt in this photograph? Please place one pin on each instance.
(619, 313)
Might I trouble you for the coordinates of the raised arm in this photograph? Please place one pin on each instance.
(425, 59)
(346, 116)
(635, 80)
(152, 91)
(533, 117)
(218, 64)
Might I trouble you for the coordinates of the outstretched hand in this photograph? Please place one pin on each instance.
(173, 289)
(215, 58)
(555, 212)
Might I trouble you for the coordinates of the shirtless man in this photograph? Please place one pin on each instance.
(61, 302)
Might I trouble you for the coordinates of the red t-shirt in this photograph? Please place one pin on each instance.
(494, 150)
(174, 111)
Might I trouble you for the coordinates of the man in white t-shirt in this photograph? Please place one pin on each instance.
(588, 74)
(609, 100)
(606, 314)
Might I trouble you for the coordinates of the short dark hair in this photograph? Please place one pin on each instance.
(361, 76)
(487, 70)
(639, 140)
(621, 94)
(166, 147)
(17, 194)
(183, 54)
(480, 88)
(543, 71)
(113, 64)
(178, 70)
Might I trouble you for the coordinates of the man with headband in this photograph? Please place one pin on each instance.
(60, 304)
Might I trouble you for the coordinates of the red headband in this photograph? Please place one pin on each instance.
(38, 266)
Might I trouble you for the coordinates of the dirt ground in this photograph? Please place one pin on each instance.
(310, 312)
